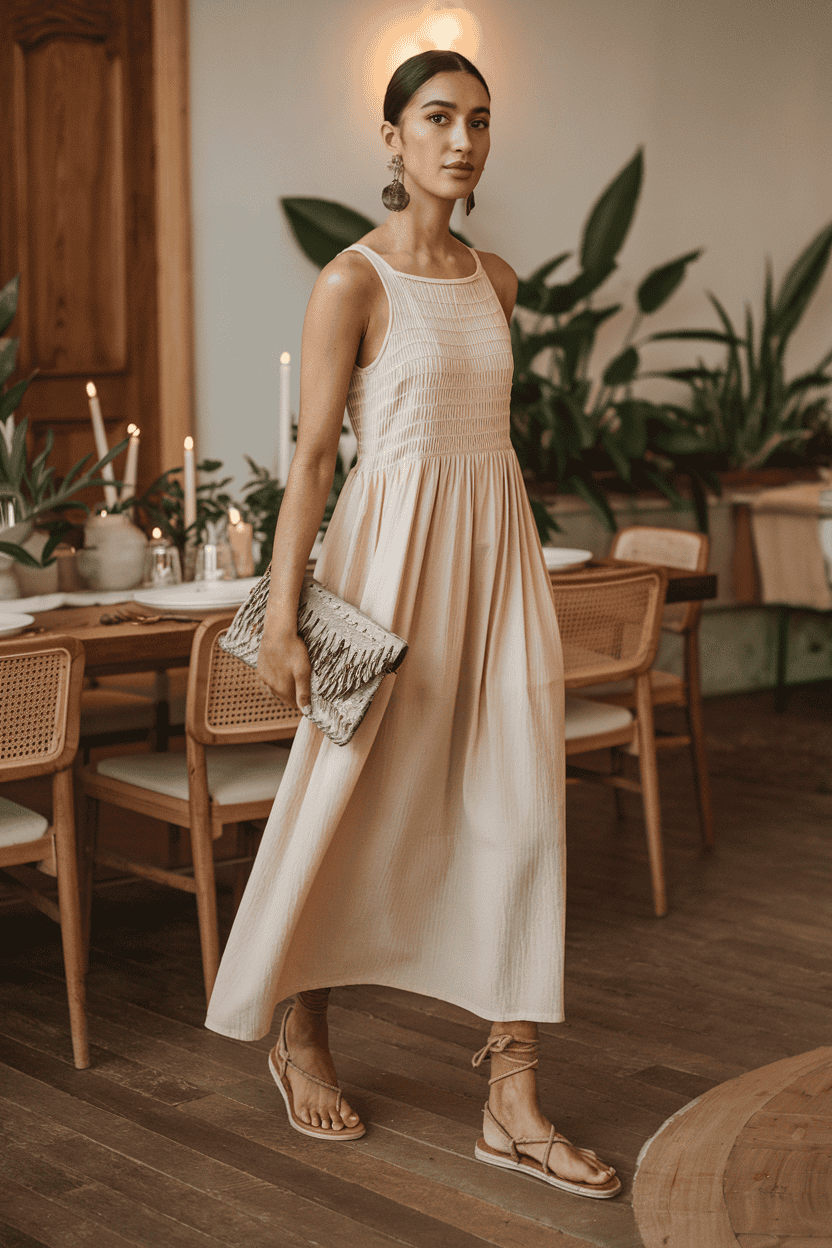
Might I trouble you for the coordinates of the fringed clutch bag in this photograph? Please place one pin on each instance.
(349, 653)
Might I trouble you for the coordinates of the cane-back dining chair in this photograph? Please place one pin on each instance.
(609, 625)
(40, 693)
(677, 549)
(229, 774)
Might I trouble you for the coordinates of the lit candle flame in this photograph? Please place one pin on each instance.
(285, 358)
(156, 534)
(91, 390)
(189, 444)
(133, 430)
(233, 515)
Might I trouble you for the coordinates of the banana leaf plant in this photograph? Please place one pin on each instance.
(32, 488)
(745, 412)
(572, 431)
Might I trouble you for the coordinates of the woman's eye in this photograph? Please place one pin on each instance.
(480, 124)
(437, 117)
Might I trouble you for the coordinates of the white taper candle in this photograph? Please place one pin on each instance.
(132, 464)
(190, 483)
(110, 496)
(285, 421)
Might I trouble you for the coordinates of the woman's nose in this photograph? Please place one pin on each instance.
(460, 138)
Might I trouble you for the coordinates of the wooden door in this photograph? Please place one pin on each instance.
(93, 131)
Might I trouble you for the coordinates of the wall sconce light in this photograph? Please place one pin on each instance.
(447, 29)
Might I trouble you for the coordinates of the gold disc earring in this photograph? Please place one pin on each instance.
(394, 197)
(469, 204)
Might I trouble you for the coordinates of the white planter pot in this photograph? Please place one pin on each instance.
(113, 554)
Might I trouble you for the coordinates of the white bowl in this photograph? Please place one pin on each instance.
(11, 625)
(560, 557)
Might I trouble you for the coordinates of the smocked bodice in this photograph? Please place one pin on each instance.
(441, 383)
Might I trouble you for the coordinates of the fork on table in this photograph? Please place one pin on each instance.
(129, 615)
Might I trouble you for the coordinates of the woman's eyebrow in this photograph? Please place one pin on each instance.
(449, 104)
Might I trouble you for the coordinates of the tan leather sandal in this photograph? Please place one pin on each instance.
(512, 1158)
(278, 1070)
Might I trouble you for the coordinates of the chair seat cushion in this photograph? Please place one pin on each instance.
(659, 680)
(19, 825)
(236, 773)
(585, 718)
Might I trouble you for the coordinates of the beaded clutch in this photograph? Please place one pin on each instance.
(349, 653)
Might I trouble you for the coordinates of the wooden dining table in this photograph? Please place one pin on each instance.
(114, 648)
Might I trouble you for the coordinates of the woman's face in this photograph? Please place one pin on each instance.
(443, 136)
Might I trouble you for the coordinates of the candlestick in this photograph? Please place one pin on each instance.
(190, 483)
(285, 419)
(239, 539)
(131, 466)
(100, 436)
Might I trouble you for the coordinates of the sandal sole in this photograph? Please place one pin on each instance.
(505, 1162)
(315, 1133)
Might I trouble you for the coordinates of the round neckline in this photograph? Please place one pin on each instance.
(417, 277)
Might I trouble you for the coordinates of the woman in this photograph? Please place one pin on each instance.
(427, 854)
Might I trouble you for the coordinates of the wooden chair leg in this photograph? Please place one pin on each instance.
(618, 762)
(650, 791)
(696, 730)
(69, 904)
(87, 837)
(202, 849)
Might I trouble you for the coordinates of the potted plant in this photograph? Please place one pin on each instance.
(29, 491)
(745, 410)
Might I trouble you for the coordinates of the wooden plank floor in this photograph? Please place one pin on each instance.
(177, 1136)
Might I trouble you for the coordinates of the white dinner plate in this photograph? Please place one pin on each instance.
(198, 595)
(560, 557)
(12, 624)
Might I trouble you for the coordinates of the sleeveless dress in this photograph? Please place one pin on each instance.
(428, 853)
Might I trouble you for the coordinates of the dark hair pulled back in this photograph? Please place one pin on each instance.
(416, 71)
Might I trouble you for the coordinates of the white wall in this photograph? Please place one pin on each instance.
(732, 100)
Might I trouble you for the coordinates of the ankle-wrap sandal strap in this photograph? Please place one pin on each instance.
(285, 1060)
(315, 1000)
(554, 1137)
(514, 1051)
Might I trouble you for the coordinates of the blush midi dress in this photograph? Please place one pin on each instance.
(427, 854)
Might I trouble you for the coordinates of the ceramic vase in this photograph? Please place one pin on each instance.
(113, 554)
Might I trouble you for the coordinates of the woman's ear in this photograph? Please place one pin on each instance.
(390, 137)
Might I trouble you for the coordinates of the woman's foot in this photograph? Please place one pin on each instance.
(513, 1102)
(307, 1040)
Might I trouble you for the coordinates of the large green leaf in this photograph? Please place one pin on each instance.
(799, 284)
(323, 227)
(659, 285)
(693, 335)
(612, 216)
(10, 400)
(622, 370)
(563, 298)
(8, 303)
(531, 291)
(8, 355)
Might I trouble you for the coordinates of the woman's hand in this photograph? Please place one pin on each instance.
(283, 665)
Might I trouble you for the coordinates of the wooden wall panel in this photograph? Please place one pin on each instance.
(72, 152)
(95, 215)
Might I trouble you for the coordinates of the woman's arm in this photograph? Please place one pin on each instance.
(335, 322)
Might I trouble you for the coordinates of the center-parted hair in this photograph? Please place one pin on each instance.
(416, 71)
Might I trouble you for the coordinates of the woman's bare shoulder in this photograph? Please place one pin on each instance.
(349, 277)
(502, 278)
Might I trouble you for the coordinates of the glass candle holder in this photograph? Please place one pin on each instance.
(214, 562)
(161, 564)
